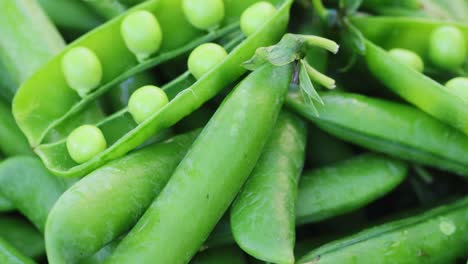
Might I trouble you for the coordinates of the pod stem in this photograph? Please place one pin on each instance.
(319, 77)
(321, 42)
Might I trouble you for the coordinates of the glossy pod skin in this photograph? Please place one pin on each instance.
(437, 236)
(346, 186)
(26, 183)
(131, 135)
(5, 205)
(24, 51)
(416, 88)
(89, 207)
(9, 254)
(208, 178)
(12, 140)
(22, 235)
(403, 131)
(262, 216)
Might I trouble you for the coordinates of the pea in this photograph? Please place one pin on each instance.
(255, 16)
(204, 58)
(459, 86)
(82, 70)
(447, 47)
(142, 34)
(146, 101)
(204, 14)
(408, 58)
(85, 142)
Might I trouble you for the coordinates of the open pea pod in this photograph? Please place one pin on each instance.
(418, 89)
(437, 236)
(403, 32)
(37, 116)
(402, 131)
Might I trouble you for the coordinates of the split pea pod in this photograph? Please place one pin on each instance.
(107, 202)
(403, 131)
(208, 178)
(437, 236)
(22, 235)
(416, 88)
(183, 104)
(264, 209)
(26, 183)
(24, 51)
(345, 186)
(9, 254)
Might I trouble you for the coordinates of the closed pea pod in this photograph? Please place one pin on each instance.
(26, 183)
(22, 235)
(403, 131)
(196, 190)
(13, 141)
(437, 236)
(265, 206)
(9, 254)
(345, 186)
(110, 200)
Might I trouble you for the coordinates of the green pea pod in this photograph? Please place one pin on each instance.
(271, 191)
(30, 187)
(346, 186)
(416, 88)
(437, 236)
(24, 51)
(224, 255)
(10, 255)
(12, 140)
(107, 202)
(403, 131)
(211, 174)
(23, 236)
(324, 149)
(55, 155)
(71, 15)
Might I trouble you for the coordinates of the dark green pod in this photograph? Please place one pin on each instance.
(12, 142)
(437, 236)
(22, 235)
(10, 255)
(107, 202)
(210, 175)
(26, 183)
(264, 209)
(346, 186)
(402, 131)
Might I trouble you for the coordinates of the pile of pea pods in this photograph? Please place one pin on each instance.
(233, 131)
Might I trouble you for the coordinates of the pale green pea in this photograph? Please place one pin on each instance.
(146, 101)
(82, 70)
(204, 58)
(459, 86)
(204, 14)
(447, 47)
(408, 58)
(255, 16)
(142, 34)
(85, 142)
